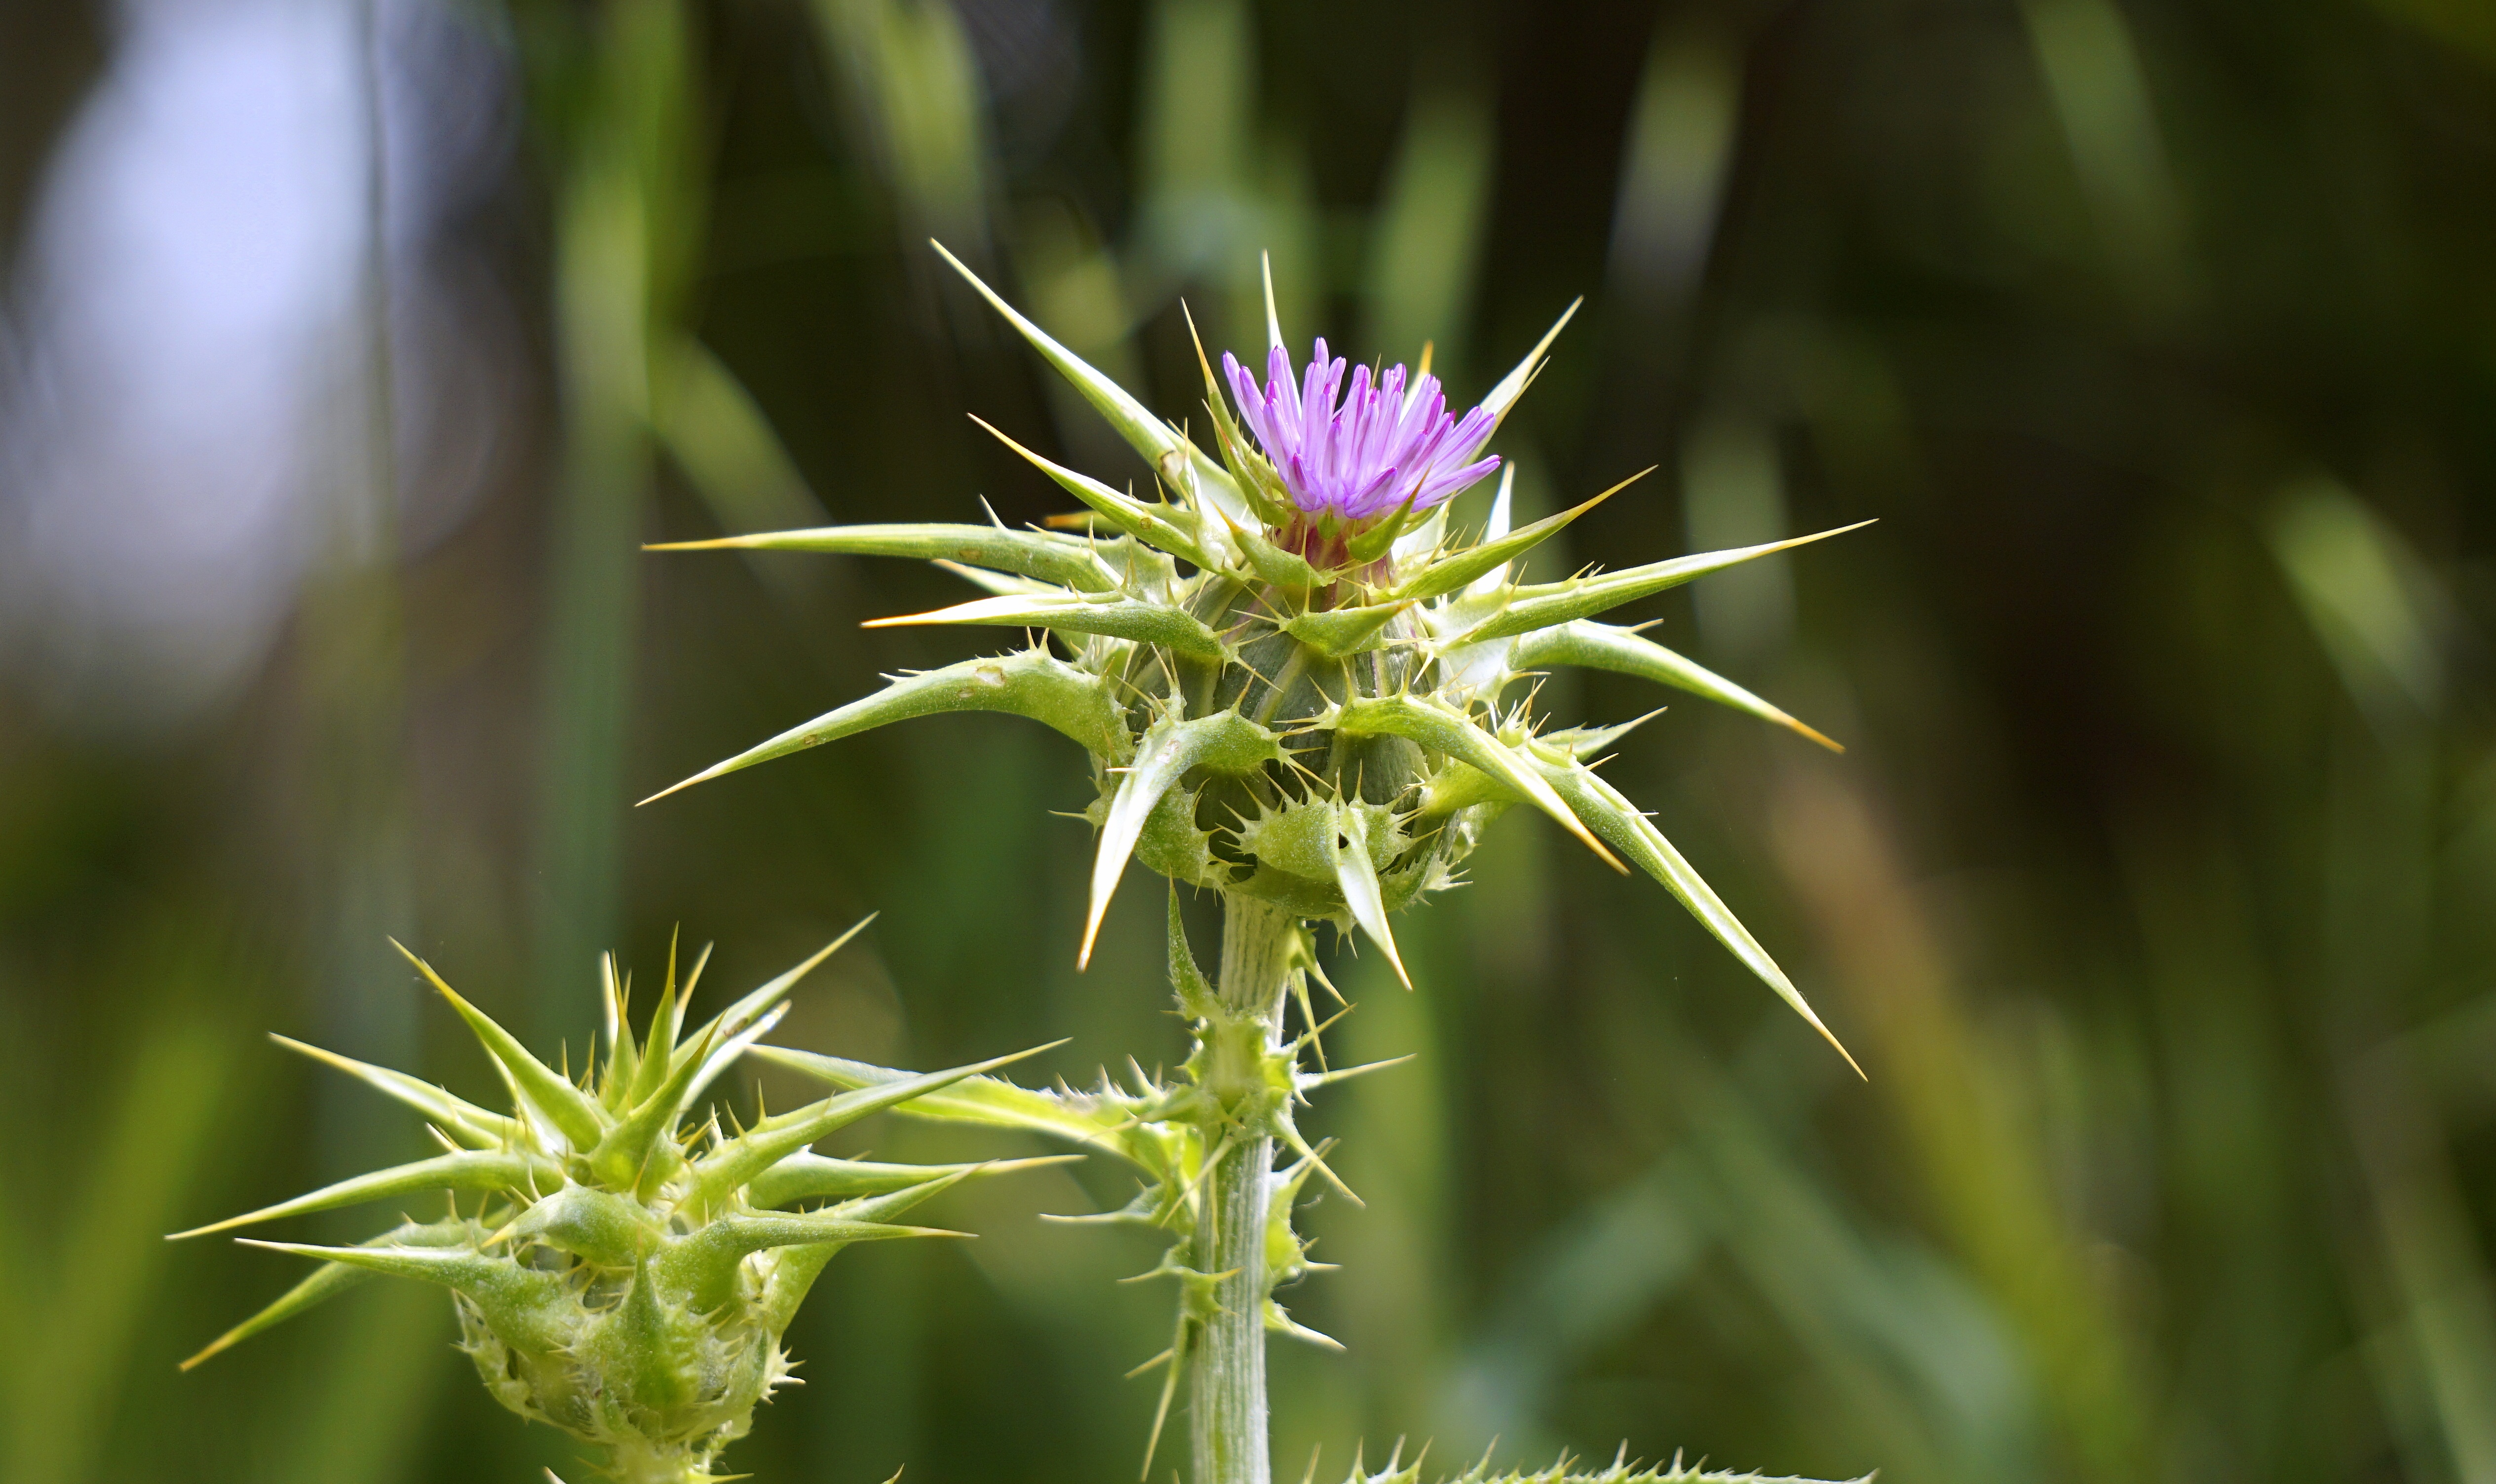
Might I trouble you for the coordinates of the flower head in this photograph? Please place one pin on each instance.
(629, 1269)
(1364, 451)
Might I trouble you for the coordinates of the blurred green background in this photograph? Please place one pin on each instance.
(351, 348)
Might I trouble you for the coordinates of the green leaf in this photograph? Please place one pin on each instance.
(702, 1267)
(1228, 742)
(809, 1176)
(1084, 1118)
(467, 1171)
(1031, 685)
(667, 1023)
(1282, 569)
(1544, 604)
(529, 1309)
(1635, 836)
(1194, 992)
(1173, 457)
(1339, 632)
(1157, 527)
(1121, 618)
(1456, 570)
(1371, 544)
(1067, 561)
(716, 1176)
(1250, 471)
(1442, 728)
(642, 1146)
(579, 1119)
(610, 1231)
(329, 1280)
(462, 1120)
(1356, 877)
(1606, 647)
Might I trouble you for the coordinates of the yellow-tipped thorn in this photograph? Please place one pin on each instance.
(704, 775)
(1790, 723)
(714, 544)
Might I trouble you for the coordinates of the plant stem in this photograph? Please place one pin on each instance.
(1229, 1376)
(648, 1463)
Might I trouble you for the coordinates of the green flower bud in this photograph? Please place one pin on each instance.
(631, 1268)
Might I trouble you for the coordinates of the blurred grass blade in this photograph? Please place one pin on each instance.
(1426, 252)
(2367, 596)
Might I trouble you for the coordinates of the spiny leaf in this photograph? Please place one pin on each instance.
(467, 1171)
(1271, 563)
(579, 1119)
(1497, 527)
(1227, 743)
(528, 1307)
(622, 1159)
(809, 1176)
(464, 1120)
(1280, 1321)
(1066, 561)
(722, 1171)
(1339, 632)
(1194, 993)
(1356, 878)
(1032, 685)
(1619, 821)
(1273, 321)
(614, 1231)
(667, 1023)
(330, 1280)
(1547, 603)
(1120, 618)
(998, 584)
(1606, 647)
(990, 1101)
(1250, 471)
(1371, 544)
(725, 1054)
(1171, 455)
(702, 1267)
(623, 1056)
(1155, 527)
(1461, 569)
(1435, 724)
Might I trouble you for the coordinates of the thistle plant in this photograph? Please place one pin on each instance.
(1301, 687)
(630, 1266)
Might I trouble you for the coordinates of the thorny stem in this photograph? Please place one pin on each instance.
(1229, 1374)
(628, 1464)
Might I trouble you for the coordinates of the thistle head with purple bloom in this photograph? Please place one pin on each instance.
(1351, 454)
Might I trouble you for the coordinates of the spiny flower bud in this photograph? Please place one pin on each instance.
(631, 1267)
(1293, 673)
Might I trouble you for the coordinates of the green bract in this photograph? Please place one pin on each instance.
(1318, 716)
(630, 1267)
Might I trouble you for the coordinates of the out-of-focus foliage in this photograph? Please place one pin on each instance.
(2157, 891)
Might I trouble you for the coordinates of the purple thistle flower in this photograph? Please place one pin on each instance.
(1370, 451)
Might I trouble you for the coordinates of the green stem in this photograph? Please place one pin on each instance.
(1228, 1372)
(649, 1464)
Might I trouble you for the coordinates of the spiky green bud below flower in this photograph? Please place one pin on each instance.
(632, 1267)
